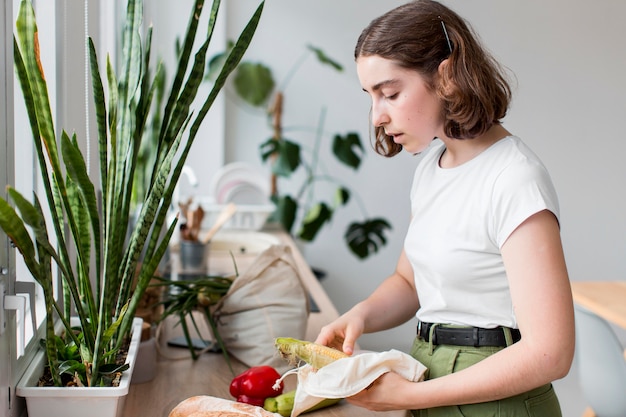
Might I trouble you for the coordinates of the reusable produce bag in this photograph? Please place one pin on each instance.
(266, 301)
(348, 376)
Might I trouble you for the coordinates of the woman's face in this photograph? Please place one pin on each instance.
(401, 102)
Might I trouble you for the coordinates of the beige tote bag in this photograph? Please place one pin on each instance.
(266, 301)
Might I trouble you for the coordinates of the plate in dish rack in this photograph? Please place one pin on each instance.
(240, 183)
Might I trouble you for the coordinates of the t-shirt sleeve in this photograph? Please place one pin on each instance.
(524, 188)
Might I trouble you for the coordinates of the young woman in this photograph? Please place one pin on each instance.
(482, 268)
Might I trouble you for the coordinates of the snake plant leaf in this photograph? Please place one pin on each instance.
(100, 107)
(348, 149)
(365, 238)
(233, 60)
(146, 274)
(33, 108)
(110, 332)
(14, 227)
(314, 220)
(29, 213)
(181, 109)
(27, 34)
(215, 64)
(85, 353)
(183, 58)
(71, 367)
(254, 83)
(286, 154)
(111, 369)
(86, 202)
(325, 59)
(285, 212)
(146, 90)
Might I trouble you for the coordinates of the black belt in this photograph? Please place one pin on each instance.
(466, 336)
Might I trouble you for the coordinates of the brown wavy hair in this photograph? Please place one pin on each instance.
(421, 34)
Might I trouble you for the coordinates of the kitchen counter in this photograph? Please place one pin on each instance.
(179, 377)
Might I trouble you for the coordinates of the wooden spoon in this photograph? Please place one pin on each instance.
(222, 218)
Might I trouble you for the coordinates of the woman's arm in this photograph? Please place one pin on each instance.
(391, 304)
(541, 294)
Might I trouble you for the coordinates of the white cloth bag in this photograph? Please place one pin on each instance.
(266, 301)
(348, 376)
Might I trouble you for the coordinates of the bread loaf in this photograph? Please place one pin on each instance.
(207, 406)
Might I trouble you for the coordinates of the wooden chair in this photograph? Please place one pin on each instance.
(602, 365)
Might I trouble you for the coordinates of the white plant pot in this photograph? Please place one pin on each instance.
(77, 401)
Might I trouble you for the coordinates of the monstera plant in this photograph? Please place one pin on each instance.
(86, 235)
(304, 213)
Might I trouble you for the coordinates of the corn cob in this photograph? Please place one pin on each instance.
(283, 404)
(314, 354)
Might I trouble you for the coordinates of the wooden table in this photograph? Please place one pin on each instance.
(179, 377)
(605, 298)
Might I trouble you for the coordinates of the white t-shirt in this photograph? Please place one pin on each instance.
(461, 217)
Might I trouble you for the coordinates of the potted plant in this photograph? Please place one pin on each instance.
(303, 213)
(103, 280)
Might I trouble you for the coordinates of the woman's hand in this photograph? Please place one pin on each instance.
(342, 333)
(384, 394)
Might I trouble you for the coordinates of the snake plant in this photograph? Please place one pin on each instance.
(102, 277)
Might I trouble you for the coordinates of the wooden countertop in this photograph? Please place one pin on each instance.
(179, 377)
(605, 298)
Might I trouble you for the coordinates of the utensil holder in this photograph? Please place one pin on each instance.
(193, 257)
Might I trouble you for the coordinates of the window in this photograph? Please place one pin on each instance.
(61, 37)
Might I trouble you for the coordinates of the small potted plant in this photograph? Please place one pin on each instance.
(86, 240)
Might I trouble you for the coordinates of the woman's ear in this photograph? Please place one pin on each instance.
(446, 84)
(443, 65)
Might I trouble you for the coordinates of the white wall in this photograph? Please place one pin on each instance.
(569, 106)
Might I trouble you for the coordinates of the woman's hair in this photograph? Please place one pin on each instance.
(419, 35)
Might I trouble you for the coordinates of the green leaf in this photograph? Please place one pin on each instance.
(85, 205)
(254, 83)
(112, 368)
(342, 196)
(365, 238)
(349, 149)
(184, 55)
(286, 154)
(100, 106)
(14, 227)
(314, 220)
(325, 59)
(86, 353)
(71, 366)
(285, 212)
(234, 58)
(216, 62)
(110, 332)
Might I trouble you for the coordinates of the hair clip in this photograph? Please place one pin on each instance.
(445, 32)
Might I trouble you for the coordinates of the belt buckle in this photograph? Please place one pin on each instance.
(419, 328)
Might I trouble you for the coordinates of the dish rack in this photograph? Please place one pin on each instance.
(247, 216)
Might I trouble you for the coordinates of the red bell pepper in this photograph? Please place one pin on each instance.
(255, 385)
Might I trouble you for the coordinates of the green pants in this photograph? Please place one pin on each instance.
(446, 359)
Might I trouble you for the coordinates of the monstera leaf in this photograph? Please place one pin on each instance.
(286, 154)
(254, 83)
(366, 238)
(314, 220)
(348, 149)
